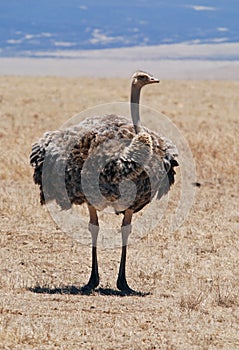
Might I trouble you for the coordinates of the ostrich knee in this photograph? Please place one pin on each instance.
(94, 230)
(125, 231)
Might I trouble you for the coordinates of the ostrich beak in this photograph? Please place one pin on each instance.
(154, 80)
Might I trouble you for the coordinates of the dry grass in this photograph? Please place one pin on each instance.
(192, 273)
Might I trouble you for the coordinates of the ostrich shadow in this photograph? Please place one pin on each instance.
(73, 290)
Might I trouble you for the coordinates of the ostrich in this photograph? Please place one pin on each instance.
(121, 152)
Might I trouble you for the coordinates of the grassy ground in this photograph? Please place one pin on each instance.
(192, 273)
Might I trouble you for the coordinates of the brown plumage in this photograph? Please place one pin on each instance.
(105, 161)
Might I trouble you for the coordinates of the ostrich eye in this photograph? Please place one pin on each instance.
(142, 77)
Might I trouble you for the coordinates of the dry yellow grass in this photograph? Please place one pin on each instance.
(192, 273)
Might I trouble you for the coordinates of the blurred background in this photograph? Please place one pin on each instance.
(120, 33)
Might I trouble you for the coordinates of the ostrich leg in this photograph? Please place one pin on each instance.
(94, 230)
(125, 231)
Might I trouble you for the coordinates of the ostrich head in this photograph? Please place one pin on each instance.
(139, 79)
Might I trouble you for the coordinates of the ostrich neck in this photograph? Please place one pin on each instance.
(134, 105)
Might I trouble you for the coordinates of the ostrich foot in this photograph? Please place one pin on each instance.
(123, 286)
(90, 286)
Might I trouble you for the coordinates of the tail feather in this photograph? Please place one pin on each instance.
(168, 178)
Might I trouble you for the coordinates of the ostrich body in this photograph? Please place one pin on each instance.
(106, 161)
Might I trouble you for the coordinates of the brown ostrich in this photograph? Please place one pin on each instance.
(122, 154)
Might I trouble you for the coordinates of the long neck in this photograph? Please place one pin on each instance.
(134, 105)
